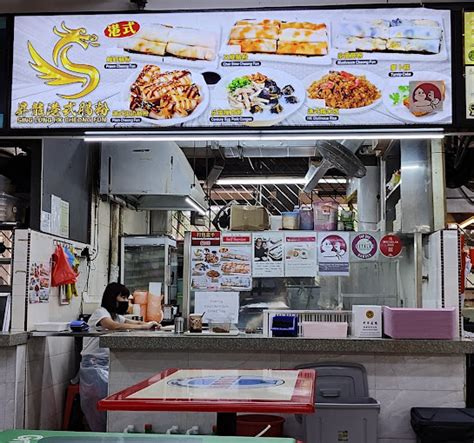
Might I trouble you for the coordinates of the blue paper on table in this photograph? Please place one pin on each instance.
(78, 326)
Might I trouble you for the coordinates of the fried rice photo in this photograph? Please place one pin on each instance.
(343, 90)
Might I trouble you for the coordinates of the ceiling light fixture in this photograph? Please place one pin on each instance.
(213, 136)
(466, 222)
(195, 206)
(274, 181)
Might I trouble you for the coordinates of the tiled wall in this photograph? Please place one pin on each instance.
(133, 222)
(397, 382)
(50, 367)
(12, 387)
(51, 362)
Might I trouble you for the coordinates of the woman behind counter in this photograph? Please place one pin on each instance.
(94, 371)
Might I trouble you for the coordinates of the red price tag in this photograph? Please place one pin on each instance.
(391, 246)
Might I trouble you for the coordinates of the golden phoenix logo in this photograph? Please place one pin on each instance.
(86, 75)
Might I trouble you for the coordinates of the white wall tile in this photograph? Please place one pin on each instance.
(394, 419)
(128, 368)
(439, 373)
(36, 349)
(20, 369)
(289, 361)
(20, 406)
(207, 360)
(396, 440)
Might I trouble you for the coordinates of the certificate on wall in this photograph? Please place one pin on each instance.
(300, 254)
(333, 253)
(268, 254)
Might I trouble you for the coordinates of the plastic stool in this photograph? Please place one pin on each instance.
(71, 393)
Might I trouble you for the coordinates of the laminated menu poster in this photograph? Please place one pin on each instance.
(333, 253)
(218, 69)
(205, 261)
(300, 254)
(268, 254)
(39, 282)
(469, 62)
(236, 261)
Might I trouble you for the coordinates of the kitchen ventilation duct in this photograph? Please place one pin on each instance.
(151, 176)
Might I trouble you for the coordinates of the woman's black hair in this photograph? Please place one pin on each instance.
(109, 299)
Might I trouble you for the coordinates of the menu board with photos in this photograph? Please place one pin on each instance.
(469, 62)
(205, 261)
(221, 261)
(259, 68)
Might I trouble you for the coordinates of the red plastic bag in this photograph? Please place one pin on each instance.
(62, 273)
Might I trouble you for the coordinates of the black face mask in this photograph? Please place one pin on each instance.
(122, 307)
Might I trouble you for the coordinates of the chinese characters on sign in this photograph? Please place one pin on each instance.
(207, 70)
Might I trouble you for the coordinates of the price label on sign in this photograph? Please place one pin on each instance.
(391, 246)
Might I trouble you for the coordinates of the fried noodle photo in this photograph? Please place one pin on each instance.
(343, 90)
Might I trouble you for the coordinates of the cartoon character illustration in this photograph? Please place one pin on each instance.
(333, 246)
(86, 75)
(427, 97)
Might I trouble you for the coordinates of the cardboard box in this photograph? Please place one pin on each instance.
(366, 321)
(248, 218)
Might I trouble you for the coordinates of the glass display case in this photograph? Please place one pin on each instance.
(146, 259)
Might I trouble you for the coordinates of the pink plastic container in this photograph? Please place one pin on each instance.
(322, 329)
(325, 216)
(415, 323)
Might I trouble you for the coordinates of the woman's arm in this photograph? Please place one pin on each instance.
(113, 325)
(134, 322)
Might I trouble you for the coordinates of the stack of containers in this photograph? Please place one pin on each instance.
(306, 218)
(140, 298)
(420, 323)
(325, 216)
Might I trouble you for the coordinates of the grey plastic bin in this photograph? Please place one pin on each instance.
(344, 410)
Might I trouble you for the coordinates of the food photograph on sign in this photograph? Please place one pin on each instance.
(209, 69)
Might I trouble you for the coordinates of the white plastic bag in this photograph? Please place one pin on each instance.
(94, 379)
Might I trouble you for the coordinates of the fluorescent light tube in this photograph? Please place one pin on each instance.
(273, 181)
(466, 223)
(212, 136)
(195, 206)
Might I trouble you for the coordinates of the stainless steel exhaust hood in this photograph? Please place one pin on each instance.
(153, 175)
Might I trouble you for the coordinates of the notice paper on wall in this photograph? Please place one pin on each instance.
(64, 219)
(55, 215)
(268, 254)
(45, 221)
(333, 253)
(218, 306)
(300, 254)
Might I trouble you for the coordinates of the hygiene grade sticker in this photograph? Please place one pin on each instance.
(364, 246)
(391, 246)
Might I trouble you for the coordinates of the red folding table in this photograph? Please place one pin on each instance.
(225, 391)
